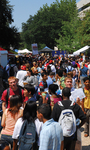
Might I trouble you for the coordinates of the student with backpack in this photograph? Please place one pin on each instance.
(51, 136)
(66, 112)
(12, 90)
(9, 118)
(27, 129)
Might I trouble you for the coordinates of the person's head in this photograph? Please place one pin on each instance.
(27, 66)
(68, 82)
(86, 82)
(70, 74)
(74, 73)
(53, 88)
(60, 73)
(29, 112)
(51, 74)
(44, 76)
(12, 82)
(66, 92)
(44, 112)
(34, 63)
(64, 72)
(40, 65)
(29, 90)
(29, 72)
(15, 103)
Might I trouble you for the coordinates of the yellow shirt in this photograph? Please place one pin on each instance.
(87, 99)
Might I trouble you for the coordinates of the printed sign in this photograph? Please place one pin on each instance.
(35, 49)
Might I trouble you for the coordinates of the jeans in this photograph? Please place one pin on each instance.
(82, 82)
(8, 139)
(86, 125)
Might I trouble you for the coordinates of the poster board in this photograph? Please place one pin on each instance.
(34, 49)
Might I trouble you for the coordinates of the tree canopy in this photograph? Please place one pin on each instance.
(9, 35)
(46, 25)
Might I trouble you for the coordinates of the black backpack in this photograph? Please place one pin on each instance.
(8, 92)
(27, 137)
(7, 96)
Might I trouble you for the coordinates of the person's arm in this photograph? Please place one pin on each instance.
(81, 123)
(79, 74)
(62, 145)
(83, 106)
(3, 119)
(81, 116)
(3, 106)
(87, 72)
(44, 98)
(14, 144)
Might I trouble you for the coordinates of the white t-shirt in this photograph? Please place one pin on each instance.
(19, 124)
(53, 69)
(20, 75)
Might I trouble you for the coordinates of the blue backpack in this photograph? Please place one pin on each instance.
(69, 69)
(27, 136)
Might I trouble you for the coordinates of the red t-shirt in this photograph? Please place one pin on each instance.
(86, 66)
(78, 65)
(11, 92)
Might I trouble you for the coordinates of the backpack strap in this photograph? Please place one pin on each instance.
(8, 92)
(20, 93)
(72, 105)
(61, 105)
(7, 96)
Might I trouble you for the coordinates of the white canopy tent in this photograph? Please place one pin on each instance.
(81, 50)
(24, 51)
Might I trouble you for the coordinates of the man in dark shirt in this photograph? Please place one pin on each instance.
(69, 142)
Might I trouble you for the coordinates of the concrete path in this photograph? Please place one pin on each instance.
(85, 140)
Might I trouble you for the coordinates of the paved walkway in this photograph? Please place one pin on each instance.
(85, 140)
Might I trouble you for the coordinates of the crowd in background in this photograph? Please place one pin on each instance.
(30, 83)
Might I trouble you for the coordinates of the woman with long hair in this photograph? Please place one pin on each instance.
(9, 118)
(29, 115)
(54, 98)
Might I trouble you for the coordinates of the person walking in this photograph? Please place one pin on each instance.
(51, 136)
(69, 141)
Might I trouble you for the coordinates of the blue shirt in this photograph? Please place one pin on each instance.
(49, 81)
(84, 71)
(51, 136)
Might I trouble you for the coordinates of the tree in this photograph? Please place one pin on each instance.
(44, 27)
(75, 34)
(84, 29)
(9, 35)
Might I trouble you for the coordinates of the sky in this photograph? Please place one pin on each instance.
(22, 9)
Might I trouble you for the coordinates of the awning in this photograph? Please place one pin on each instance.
(82, 50)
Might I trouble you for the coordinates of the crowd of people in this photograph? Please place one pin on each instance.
(37, 102)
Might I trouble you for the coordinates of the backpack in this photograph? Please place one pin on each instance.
(11, 71)
(69, 68)
(67, 120)
(27, 136)
(8, 92)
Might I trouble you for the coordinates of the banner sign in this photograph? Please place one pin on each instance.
(35, 49)
(57, 53)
